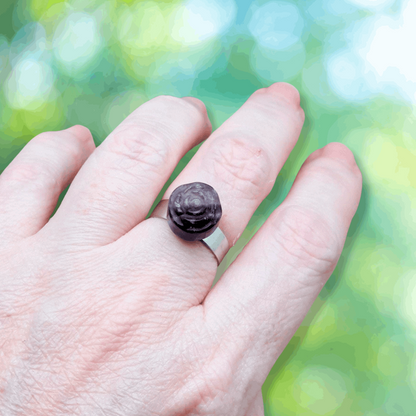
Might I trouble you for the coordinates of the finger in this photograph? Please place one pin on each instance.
(31, 184)
(266, 292)
(241, 161)
(117, 186)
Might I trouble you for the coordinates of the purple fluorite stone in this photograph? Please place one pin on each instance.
(194, 210)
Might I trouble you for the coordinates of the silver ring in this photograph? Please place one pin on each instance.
(193, 211)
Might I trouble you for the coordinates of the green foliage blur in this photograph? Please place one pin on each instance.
(93, 62)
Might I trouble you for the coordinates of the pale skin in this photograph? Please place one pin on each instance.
(103, 312)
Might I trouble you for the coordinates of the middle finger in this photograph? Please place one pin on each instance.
(116, 187)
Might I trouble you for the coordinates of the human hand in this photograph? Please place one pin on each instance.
(104, 312)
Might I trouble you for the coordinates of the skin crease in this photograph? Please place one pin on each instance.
(104, 312)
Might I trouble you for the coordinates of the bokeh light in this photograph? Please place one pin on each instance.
(388, 51)
(276, 25)
(372, 4)
(77, 42)
(29, 84)
(319, 390)
(195, 21)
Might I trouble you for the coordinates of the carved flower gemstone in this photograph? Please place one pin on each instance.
(194, 210)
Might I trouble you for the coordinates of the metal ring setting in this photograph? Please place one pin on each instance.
(193, 212)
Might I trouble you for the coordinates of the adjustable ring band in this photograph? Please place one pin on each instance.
(193, 211)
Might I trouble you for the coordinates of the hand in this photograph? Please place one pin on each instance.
(104, 312)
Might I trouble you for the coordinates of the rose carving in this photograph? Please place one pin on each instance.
(194, 210)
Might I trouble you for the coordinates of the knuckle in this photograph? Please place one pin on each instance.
(169, 101)
(36, 175)
(340, 151)
(45, 136)
(301, 114)
(358, 174)
(143, 147)
(336, 155)
(285, 91)
(185, 103)
(305, 240)
(75, 143)
(332, 172)
(270, 104)
(242, 165)
(82, 134)
(47, 139)
(195, 103)
(85, 130)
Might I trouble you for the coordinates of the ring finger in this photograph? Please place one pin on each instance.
(241, 161)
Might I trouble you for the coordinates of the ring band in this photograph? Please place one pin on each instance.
(193, 211)
(217, 242)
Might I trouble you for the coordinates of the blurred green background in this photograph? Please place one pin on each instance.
(92, 62)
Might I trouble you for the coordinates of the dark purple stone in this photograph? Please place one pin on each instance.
(194, 210)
